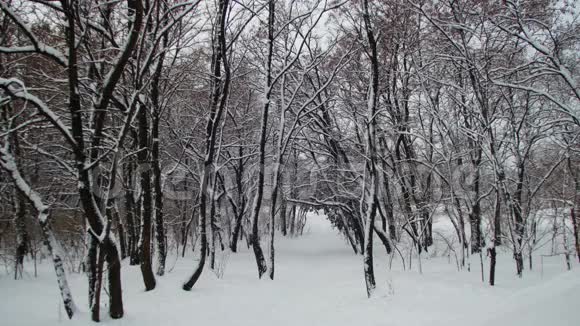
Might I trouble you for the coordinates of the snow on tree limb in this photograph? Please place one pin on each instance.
(37, 46)
(20, 92)
(8, 163)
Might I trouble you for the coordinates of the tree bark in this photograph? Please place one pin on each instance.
(240, 207)
(22, 237)
(255, 239)
(146, 206)
(219, 95)
(371, 164)
(159, 220)
(492, 251)
(575, 229)
(576, 208)
(283, 204)
(132, 228)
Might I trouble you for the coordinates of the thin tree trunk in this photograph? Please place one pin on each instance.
(96, 306)
(257, 205)
(477, 241)
(283, 204)
(565, 244)
(492, 251)
(202, 252)
(371, 165)
(389, 206)
(8, 163)
(574, 210)
(114, 286)
(159, 220)
(22, 238)
(92, 268)
(220, 91)
(146, 211)
(241, 202)
(384, 239)
(213, 222)
(519, 220)
(349, 237)
(120, 230)
(575, 228)
(236, 233)
(130, 216)
(273, 203)
(292, 220)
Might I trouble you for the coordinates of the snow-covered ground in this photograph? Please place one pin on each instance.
(318, 282)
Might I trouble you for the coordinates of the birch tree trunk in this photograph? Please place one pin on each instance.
(371, 166)
(8, 163)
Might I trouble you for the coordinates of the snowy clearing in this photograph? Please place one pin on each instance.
(318, 283)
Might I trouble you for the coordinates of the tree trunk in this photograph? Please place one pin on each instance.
(475, 224)
(22, 238)
(492, 262)
(92, 213)
(575, 228)
(283, 204)
(576, 208)
(132, 228)
(213, 223)
(159, 220)
(120, 230)
(384, 239)
(202, 252)
(236, 232)
(96, 305)
(273, 203)
(519, 220)
(114, 277)
(9, 164)
(353, 243)
(492, 251)
(389, 206)
(477, 241)
(92, 268)
(241, 202)
(219, 95)
(371, 164)
(50, 244)
(145, 180)
(292, 220)
(256, 208)
(565, 244)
